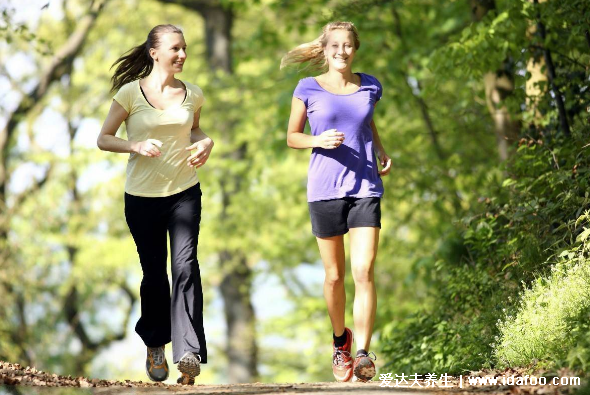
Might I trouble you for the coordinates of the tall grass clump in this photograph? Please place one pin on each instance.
(550, 321)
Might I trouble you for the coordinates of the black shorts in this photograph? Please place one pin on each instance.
(334, 217)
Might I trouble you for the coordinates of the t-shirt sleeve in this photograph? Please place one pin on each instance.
(301, 92)
(123, 97)
(198, 96)
(379, 92)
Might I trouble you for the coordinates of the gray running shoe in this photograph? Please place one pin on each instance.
(190, 367)
(156, 366)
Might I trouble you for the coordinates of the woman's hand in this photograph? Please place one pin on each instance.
(202, 150)
(149, 148)
(385, 161)
(330, 139)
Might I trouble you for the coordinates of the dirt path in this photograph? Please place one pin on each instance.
(15, 379)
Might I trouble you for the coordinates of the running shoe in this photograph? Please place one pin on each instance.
(364, 368)
(156, 366)
(190, 367)
(342, 360)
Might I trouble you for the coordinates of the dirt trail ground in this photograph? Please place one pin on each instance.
(15, 379)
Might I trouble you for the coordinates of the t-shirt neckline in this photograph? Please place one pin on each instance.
(169, 107)
(343, 94)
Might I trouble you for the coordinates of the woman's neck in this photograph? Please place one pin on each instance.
(340, 79)
(159, 79)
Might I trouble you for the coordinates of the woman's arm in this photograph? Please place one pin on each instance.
(107, 141)
(199, 142)
(329, 139)
(384, 159)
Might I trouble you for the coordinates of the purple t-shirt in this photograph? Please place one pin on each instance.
(351, 169)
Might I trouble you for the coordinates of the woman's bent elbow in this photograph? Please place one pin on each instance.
(100, 143)
(291, 143)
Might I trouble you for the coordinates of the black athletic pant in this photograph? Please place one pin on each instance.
(163, 318)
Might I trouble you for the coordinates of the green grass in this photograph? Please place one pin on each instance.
(551, 320)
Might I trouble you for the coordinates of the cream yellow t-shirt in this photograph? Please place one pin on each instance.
(167, 174)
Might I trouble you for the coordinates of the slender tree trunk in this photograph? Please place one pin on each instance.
(498, 86)
(535, 86)
(218, 24)
(542, 71)
(425, 112)
(419, 100)
(236, 284)
(563, 121)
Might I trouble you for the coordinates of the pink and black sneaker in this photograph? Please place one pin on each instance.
(342, 362)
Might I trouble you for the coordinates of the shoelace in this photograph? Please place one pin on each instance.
(374, 358)
(158, 355)
(338, 356)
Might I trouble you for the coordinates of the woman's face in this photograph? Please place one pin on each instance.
(339, 49)
(171, 54)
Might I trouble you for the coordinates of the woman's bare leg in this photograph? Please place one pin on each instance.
(363, 251)
(332, 253)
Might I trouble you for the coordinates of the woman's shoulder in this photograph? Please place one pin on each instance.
(193, 88)
(129, 87)
(372, 80)
(306, 81)
(195, 93)
(307, 84)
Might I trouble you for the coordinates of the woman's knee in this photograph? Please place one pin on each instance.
(334, 279)
(363, 273)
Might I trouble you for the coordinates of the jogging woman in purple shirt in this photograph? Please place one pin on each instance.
(344, 187)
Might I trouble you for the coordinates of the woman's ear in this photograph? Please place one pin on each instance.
(153, 54)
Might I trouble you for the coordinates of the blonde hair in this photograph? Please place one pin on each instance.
(313, 52)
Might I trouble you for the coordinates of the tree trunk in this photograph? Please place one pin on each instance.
(536, 85)
(419, 100)
(218, 23)
(498, 86)
(236, 288)
(552, 75)
(236, 284)
(542, 60)
(425, 112)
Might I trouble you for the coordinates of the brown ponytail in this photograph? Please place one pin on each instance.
(313, 52)
(137, 62)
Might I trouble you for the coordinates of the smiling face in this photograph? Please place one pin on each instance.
(339, 49)
(171, 53)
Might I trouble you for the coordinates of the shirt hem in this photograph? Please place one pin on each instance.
(163, 194)
(320, 198)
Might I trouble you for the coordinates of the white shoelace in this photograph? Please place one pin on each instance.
(338, 354)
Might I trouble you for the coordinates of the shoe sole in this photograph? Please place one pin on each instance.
(364, 371)
(346, 378)
(190, 367)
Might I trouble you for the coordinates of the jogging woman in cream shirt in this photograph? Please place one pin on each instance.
(163, 195)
